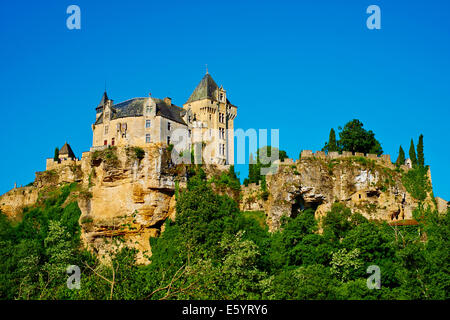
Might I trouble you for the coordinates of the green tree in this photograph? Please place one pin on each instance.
(401, 157)
(56, 156)
(263, 160)
(420, 154)
(355, 138)
(337, 222)
(331, 145)
(412, 153)
(343, 263)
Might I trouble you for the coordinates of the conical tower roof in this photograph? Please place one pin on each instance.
(206, 89)
(67, 150)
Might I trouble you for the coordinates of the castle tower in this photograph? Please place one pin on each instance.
(214, 119)
(101, 105)
(66, 152)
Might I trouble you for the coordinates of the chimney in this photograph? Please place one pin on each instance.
(168, 100)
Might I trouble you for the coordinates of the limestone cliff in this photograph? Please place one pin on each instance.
(127, 193)
(130, 193)
(372, 188)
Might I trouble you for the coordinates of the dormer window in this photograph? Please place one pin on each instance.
(148, 109)
(106, 115)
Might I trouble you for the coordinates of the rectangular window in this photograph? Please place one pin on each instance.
(105, 142)
(147, 123)
(106, 129)
(168, 140)
(189, 133)
(147, 138)
(168, 126)
(112, 141)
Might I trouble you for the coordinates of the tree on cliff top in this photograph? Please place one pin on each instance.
(355, 138)
(331, 145)
(412, 153)
(263, 160)
(420, 154)
(56, 156)
(401, 157)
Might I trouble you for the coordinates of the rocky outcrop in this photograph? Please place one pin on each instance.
(13, 202)
(126, 194)
(252, 198)
(442, 205)
(130, 192)
(365, 186)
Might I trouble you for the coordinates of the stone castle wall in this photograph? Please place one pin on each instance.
(384, 159)
(52, 164)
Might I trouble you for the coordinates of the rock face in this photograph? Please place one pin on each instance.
(129, 196)
(125, 194)
(442, 205)
(252, 198)
(368, 187)
(12, 202)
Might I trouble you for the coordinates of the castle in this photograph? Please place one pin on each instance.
(204, 123)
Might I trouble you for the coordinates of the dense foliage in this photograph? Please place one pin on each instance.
(354, 138)
(265, 157)
(214, 251)
(401, 157)
(331, 145)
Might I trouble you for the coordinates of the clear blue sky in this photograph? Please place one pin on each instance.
(299, 66)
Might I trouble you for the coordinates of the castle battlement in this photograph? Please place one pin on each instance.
(384, 159)
(52, 164)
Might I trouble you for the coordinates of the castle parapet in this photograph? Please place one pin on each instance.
(347, 154)
(333, 155)
(320, 154)
(385, 159)
(52, 164)
(306, 154)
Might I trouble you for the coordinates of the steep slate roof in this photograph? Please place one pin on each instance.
(135, 108)
(104, 99)
(205, 89)
(67, 150)
(171, 112)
